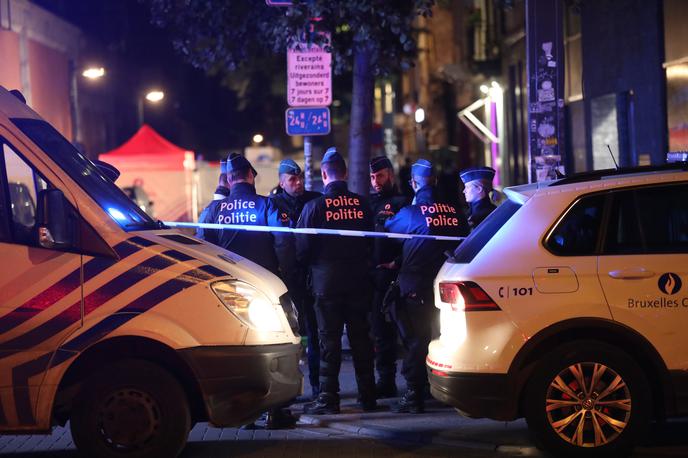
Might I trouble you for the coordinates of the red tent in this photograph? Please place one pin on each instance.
(148, 149)
(162, 169)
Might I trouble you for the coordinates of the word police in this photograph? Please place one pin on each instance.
(336, 211)
(435, 215)
(240, 216)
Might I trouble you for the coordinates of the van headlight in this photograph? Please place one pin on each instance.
(249, 305)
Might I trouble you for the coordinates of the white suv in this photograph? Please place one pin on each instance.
(569, 306)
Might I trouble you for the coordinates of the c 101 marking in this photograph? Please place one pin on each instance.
(506, 291)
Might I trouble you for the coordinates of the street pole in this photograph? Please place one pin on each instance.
(308, 160)
(139, 110)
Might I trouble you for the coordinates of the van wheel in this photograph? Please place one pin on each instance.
(131, 408)
(587, 399)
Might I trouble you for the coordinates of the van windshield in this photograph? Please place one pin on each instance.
(108, 196)
(469, 248)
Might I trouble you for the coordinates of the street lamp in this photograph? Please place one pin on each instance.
(93, 73)
(258, 138)
(154, 96)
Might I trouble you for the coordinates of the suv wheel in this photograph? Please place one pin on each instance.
(131, 408)
(587, 399)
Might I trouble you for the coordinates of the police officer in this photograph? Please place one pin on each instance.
(477, 188)
(290, 202)
(244, 207)
(414, 311)
(339, 274)
(385, 202)
(222, 191)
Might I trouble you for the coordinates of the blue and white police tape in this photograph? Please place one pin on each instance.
(312, 231)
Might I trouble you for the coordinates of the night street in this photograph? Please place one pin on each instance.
(440, 432)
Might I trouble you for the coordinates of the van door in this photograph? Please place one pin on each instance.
(40, 292)
(643, 268)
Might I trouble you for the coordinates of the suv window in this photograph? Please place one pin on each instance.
(648, 220)
(578, 231)
(478, 238)
(20, 185)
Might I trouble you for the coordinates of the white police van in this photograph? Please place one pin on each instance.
(569, 306)
(131, 331)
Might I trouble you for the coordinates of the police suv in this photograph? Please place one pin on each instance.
(131, 331)
(569, 306)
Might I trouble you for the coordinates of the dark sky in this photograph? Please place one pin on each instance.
(198, 112)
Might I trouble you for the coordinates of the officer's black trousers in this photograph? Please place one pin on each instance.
(313, 349)
(333, 312)
(413, 316)
(384, 331)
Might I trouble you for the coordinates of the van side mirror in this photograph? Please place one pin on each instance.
(55, 221)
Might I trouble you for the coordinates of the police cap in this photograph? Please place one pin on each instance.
(477, 173)
(331, 155)
(289, 167)
(236, 161)
(422, 167)
(378, 163)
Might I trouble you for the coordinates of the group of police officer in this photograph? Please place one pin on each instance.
(338, 281)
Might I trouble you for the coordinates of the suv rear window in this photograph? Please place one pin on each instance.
(469, 248)
(577, 233)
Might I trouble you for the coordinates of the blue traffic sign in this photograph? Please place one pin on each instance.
(308, 121)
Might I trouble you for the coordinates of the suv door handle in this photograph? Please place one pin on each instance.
(631, 274)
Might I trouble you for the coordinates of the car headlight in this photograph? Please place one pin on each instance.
(249, 305)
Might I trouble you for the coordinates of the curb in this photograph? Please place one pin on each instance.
(416, 438)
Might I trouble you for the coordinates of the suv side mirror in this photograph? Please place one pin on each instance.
(55, 222)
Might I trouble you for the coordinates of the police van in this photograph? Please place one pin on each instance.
(569, 306)
(130, 331)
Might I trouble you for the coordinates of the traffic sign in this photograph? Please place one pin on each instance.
(308, 121)
(309, 76)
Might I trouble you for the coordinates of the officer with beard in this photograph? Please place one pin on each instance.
(414, 311)
(290, 202)
(385, 202)
(339, 274)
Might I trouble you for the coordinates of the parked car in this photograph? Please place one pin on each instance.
(569, 306)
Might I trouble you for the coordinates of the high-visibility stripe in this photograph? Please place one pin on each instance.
(313, 231)
(67, 284)
(141, 304)
(72, 314)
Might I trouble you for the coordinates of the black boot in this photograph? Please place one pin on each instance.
(411, 402)
(325, 404)
(386, 389)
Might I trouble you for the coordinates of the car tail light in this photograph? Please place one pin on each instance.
(466, 296)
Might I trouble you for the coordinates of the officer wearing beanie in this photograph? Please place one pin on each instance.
(477, 188)
(244, 207)
(414, 311)
(222, 191)
(385, 201)
(339, 275)
(290, 202)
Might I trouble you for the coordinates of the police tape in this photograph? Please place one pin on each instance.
(312, 231)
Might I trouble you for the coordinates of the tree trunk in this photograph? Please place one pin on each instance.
(361, 121)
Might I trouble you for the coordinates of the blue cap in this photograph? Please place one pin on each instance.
(422, 167)
(331, 155)
(477, 173)
(223, 166)
(236, 161)
(378, 163)
(289, 167)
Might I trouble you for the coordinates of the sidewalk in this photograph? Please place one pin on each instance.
(439, 425)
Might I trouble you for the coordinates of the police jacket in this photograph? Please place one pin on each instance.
(479, 211)
(243, 206)
(386, 204)
(206, 216)
(337, 264)
(291, 272)
(422, 258)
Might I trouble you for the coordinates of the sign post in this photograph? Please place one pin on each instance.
(309, 93)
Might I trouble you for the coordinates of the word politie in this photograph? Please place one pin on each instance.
(243, 211)
(435, 215)
(338, 213)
